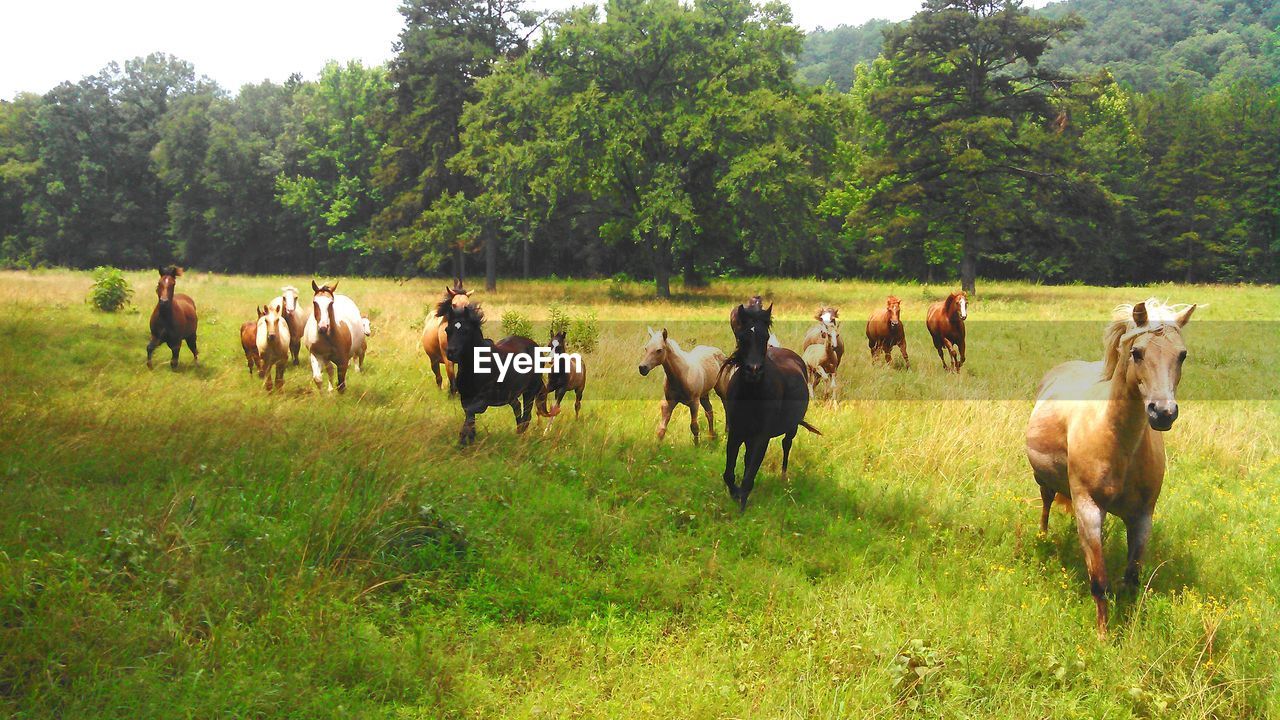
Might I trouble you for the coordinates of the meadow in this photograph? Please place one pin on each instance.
(182, 544)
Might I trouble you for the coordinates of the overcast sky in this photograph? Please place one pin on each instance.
(239, 41)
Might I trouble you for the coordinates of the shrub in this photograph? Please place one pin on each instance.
(111, 290)
(586, 332)
(513, 323)
(559, 319)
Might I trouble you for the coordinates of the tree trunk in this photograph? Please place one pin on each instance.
(969, 266)
(662, 272)
(526, 257)
(693, 278)
(490, 263)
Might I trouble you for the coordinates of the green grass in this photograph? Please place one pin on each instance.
(184, 545)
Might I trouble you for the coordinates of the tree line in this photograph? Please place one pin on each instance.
(659, 140)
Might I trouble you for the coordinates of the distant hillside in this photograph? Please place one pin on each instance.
(1148, 44)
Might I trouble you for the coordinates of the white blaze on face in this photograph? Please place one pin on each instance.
(826, 318)
(290, 300)
(322, 303)
(964, 308)
(364, 324)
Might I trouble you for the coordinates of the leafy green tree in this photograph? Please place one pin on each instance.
(967, 112)
(20, 173)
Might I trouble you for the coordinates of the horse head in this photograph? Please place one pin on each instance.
(168, 280)
(271, 318)
(655, 351)
(894, 306)
(322, 306)
(1151, 333)
(459, 296)
(290, 295)
(462, 327)
(557, 343)
(752, 337)
(957, 305)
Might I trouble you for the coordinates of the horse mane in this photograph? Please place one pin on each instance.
(1119, 335)
(287, 288)
(173, 270)
(470, 313)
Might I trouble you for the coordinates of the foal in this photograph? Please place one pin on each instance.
(885, 332)
(691, 376)
(561, 380)
(829, 322)
(945, 321)
(173, 319)
(1095, 433)
(273, 343)
(249, 343)
(821, 362)
(766, 397)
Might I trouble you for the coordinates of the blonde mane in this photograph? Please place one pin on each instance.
(1119, 336)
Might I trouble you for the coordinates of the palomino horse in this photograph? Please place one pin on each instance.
(691, 376)
(821, 362)
(173, 319)
(333, 334)
(766, 397)
(563, 379)
(945, 321)
(478, 389)
(885, 332)
(249, 343)
(295, 314)
(272, 338)
(1094, 435)
(434, 338)
(828, 322)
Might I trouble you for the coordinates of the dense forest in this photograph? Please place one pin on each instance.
(1088, 141)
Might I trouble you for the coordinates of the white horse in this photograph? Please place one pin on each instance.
(295, 314)
(334, 335)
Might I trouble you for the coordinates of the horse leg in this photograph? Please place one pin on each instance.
(756, 448)
(435, 368)
(151, 347)
(295, 345)
(903, 347)
(174, 347)
(452, 372)
(267, 384)
(1046, 504)
(665, 417)
(693, 421)
(195, 354)
(317, 370)
(515, 410)
(530, 397)
(731, 447)
(961, 355)
(1137, 530)
(1089, 524)
(786, 451)
(467, 435)
(705, 401)
(577, 402)
(280, 375)
(342, 378)
(938, 346)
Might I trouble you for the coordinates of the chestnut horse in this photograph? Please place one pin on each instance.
(1094, 435)
(295, 314)
(691, 376)
(272, 338)
(767, 396)
(249, 343)
(945, 321)
(333, 334)
(480, 389)
(563, 379)
(173, 319)
(434, 338)
(885, 332)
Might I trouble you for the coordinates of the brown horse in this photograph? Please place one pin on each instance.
(755, 302)
(565, 376)
(249, 343)
(173, 319)
(885, 332)
(434, 339)
(945, 321)
(1094, 435)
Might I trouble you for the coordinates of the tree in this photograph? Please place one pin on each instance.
(444, 48)
(967, 112)
(20, 172)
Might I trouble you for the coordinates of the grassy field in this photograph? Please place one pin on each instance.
(184, 545)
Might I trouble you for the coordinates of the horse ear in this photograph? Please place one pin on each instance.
(769, 310)
(664, 333)
(1140, 314)
(1184, 317)
(334, 286)
(314, 286)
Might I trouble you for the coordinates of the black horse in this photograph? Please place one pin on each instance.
(767, 396)
(479, 390)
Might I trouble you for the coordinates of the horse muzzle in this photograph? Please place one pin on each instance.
(453, 355)
(753, 373)
(1161, 415)
(644, 370)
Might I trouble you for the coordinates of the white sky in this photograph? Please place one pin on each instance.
(43, 42)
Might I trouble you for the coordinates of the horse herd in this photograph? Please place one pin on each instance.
(1093, 440)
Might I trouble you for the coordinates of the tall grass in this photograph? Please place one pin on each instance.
(181, 543)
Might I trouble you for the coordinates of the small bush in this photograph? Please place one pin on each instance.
(586, 332)
(111, 290)
(559, 319)
(617, 288)
(513, 323)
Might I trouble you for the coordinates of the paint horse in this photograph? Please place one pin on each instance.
(249, 343)
(174, 318)
(828, 322)
(885, 332)
(272, 339)
(296, 315)
(568, 373)
(333, 335)
(434, 338)
(1095, 433)
(945, 321)
(482, 387)
(691, 377)
(766, 397)
(821, 362)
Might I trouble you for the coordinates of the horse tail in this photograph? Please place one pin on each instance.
(540, 403)
(1064, 503)
(804, 424)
